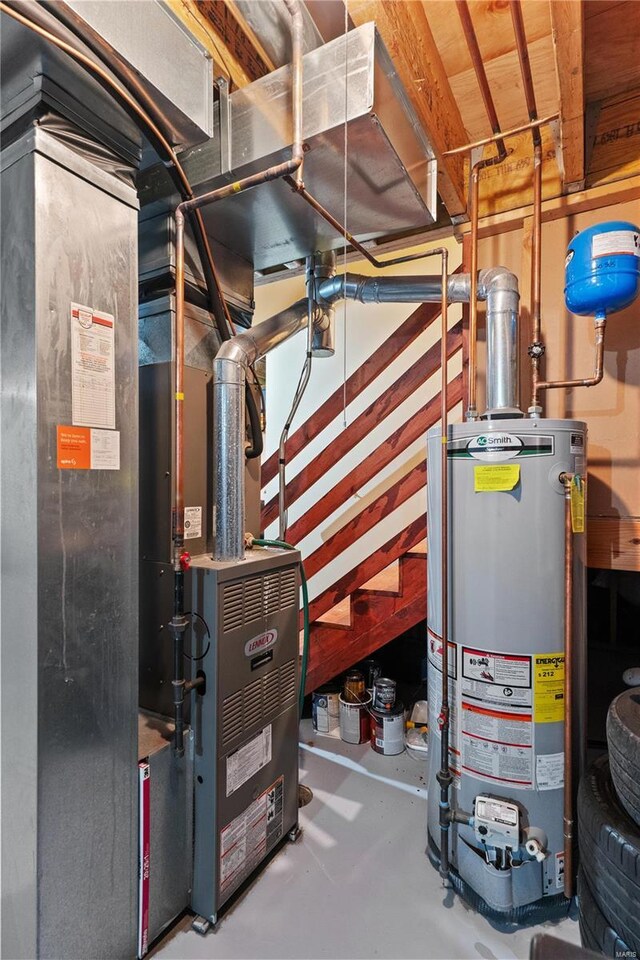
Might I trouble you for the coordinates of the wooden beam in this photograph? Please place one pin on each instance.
(567, 28)
(620, 191)
(406, 33)
(613, 543)
(223, 32)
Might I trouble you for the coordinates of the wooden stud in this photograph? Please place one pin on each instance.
(567, 27)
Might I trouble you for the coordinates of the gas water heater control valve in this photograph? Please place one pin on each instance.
(497, 823)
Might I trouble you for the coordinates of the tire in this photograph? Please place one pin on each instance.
(610, 853)
(623, 736)
(595, 932)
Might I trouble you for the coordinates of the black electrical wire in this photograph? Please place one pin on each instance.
(43, 13)
(189, 656)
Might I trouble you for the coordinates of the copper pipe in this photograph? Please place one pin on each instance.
(478, 66)
(178, 406)
(525, 66)
(315, 204)
(472, 409)
(536, 347)
(567, 480)
(504, 135)
(600, 325)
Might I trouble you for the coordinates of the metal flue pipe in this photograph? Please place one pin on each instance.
(497, 286)
(229, 373)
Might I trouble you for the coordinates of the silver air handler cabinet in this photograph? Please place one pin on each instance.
(506, 666)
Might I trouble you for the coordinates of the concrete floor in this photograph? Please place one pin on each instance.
(357, 884)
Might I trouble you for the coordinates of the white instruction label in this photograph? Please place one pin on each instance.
(245, 841)
(496, 679)
(105, 449)
(93, 372)
(244, 762)
(550, 771)
(192, 523)
(615, 242)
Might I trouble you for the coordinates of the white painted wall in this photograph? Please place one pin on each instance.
(367, 327)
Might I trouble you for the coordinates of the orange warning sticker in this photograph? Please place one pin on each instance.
(74, 448)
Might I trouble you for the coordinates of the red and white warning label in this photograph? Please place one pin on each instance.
(497, 745)
(245, 841)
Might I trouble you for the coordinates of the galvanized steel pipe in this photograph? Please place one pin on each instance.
(229, 374)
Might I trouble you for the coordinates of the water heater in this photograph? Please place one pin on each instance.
(506, 657)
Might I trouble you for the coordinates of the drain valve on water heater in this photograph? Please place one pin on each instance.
(497, 823)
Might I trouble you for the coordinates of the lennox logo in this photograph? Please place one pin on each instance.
(262, 642)
(494, 446)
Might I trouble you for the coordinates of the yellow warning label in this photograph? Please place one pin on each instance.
(577, 504)
(496, 476)
(548, 687)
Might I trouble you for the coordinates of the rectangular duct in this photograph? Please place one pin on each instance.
(352, 98)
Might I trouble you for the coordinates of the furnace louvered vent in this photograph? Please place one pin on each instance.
(288, 589)
(253, 600)
(248, 601)
(232, 717)
(272, 593)
(287, 683)
(260, 701)
(232, 607)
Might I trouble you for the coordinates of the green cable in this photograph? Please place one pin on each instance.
(305, 609)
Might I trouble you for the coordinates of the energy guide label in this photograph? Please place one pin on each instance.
(244, 841)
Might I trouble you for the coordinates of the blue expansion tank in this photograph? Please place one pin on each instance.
(602, 269)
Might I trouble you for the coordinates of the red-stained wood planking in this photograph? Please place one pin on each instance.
(364, 521)
(424, 418)
(377, 411)
(373, 366)
(377, 619)
(350, 581)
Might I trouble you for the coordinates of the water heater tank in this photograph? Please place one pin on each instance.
(506, 658)
(603, 269)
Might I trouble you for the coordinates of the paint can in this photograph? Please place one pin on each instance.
(354, 689)
(371, 670)
(387, 730)
(355, 725)
(325, 708)
(384, 693)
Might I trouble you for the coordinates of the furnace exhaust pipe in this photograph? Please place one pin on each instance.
(229, 372)
(497, 286)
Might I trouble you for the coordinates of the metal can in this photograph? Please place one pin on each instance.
(387, 730)
(384, 693)
(371, 670)
(355, 725)
(354, 688)
(325, 708)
